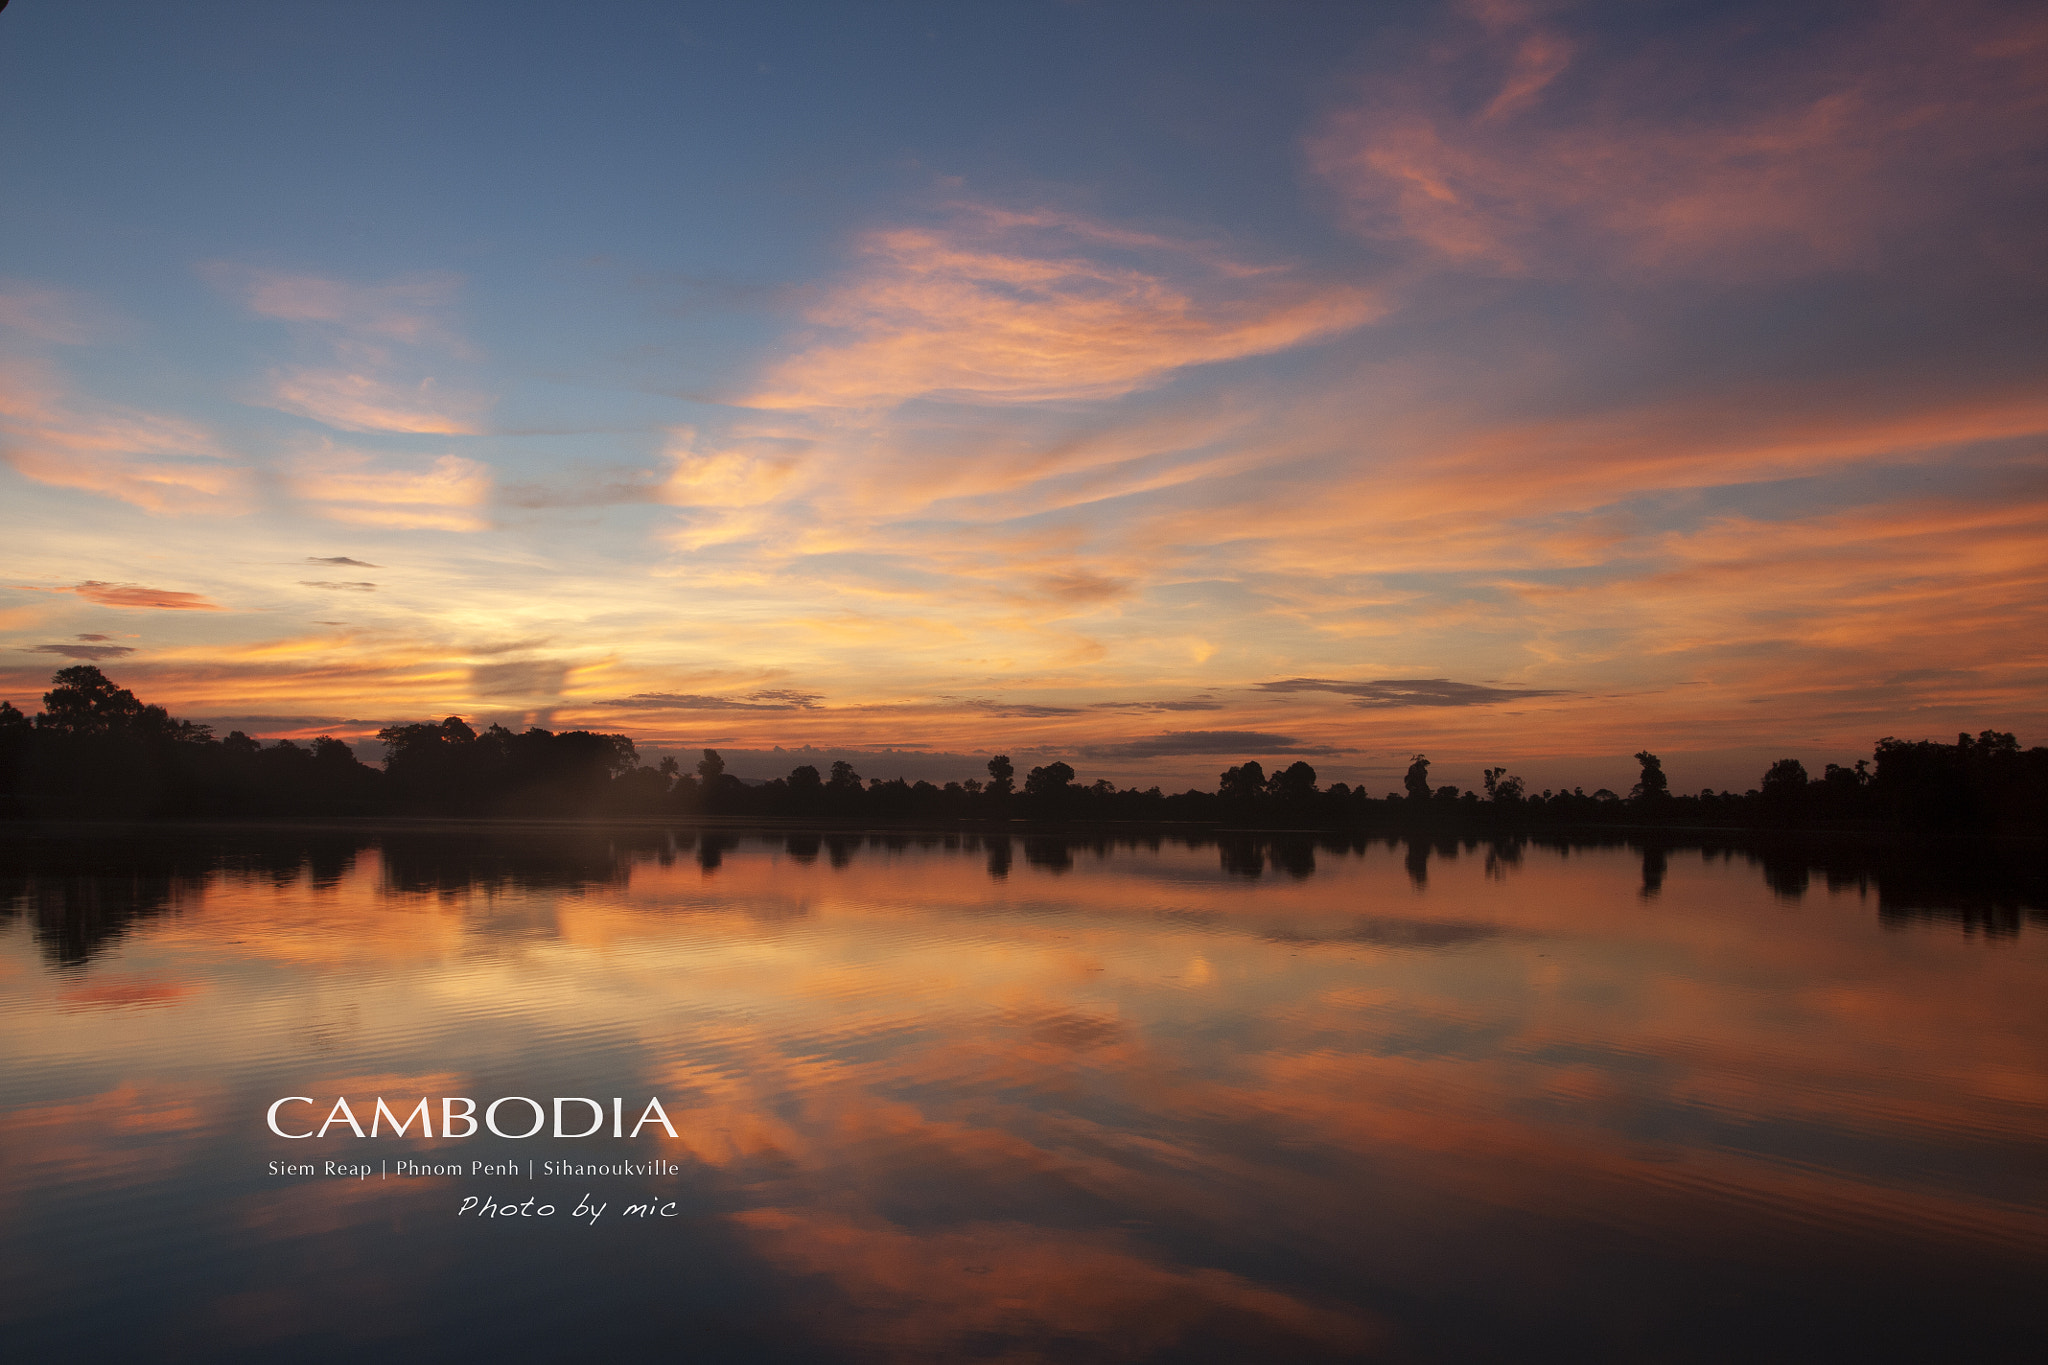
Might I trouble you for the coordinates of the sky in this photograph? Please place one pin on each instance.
(1154, 386)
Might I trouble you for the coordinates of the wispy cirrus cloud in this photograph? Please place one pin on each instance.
(411, 308)
(362, 399)
(732, 490)
(1575, 152)
(444, 493)
(380, 345)
(152, 460)
(997, 307)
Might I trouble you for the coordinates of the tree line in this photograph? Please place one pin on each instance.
(96, 751)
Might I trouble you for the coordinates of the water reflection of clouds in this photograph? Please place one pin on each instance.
(932, 1293)
(1142, 1096)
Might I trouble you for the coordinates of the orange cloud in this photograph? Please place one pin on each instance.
(728, 493)
(158, 463)
(1020, 308)
(129, 595)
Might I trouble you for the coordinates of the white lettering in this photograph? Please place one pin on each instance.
(341, 1113)
(487, 1207)
(540, 1117)
(596, 1115)
(384, 1115)
(272, 1118)
(660, 1117)
(448, 1115)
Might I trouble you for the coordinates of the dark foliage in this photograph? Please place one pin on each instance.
(97, 751)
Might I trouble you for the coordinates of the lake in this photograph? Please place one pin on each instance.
(971, 1097)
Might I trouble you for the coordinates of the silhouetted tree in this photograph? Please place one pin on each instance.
(98, 750)
(16, 734)
(1240, 788)
(718, 789)
(1050, 789)
(1784, 776)
(449, 769)
(1783, 790)
(843, 792)
(1294, 785)
(430, 767)
(1417, 780)
(84, 702)
(803, 793)
(1988, 781)
(1653, 786)
(1000, 777)
(1847, 779)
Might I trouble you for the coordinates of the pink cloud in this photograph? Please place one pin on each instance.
(996, 307)
(1811, 160)
(130, 595)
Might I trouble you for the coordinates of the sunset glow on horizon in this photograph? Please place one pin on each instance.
(1155, 387)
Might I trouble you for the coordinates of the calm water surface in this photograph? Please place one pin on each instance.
(1007, 1099)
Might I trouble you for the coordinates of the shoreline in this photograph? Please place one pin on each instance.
(1020, 826)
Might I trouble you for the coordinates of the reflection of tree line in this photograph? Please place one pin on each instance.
(95, 750)
(83, 888)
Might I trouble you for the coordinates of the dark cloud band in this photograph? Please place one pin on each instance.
(1380, 693)
(1236, 743)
